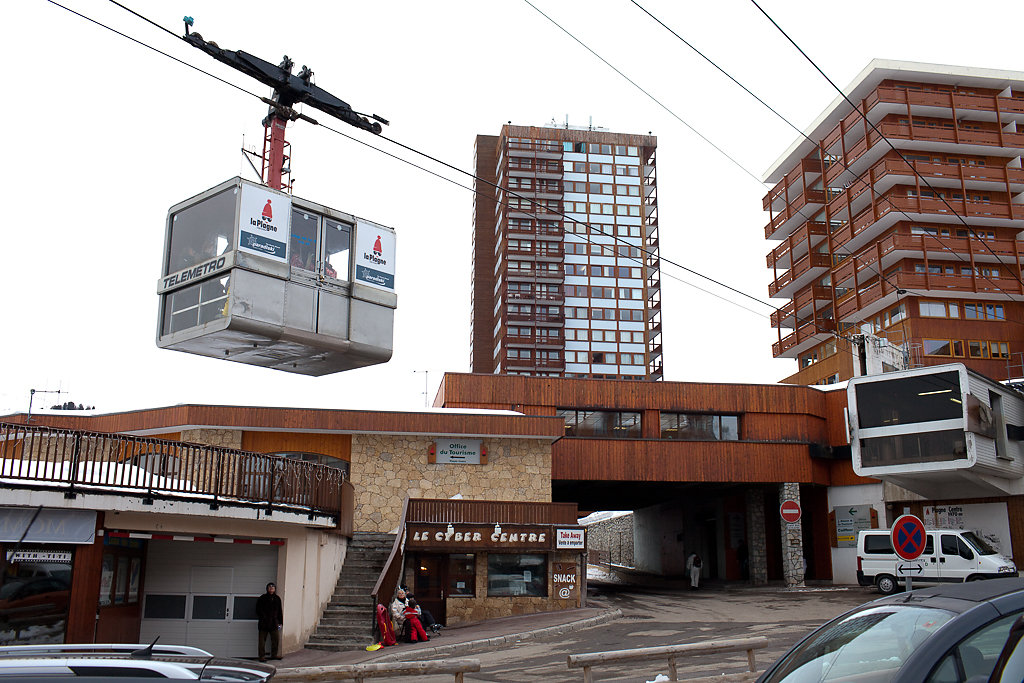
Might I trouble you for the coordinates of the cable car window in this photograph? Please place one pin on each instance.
(191, 306)
(304, 246)
(201, 232)
(337, 241)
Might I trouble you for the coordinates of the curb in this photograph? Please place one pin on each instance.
(486, 644)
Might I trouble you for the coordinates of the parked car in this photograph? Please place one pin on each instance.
(942, 634)
(117, 661)
(949, 556)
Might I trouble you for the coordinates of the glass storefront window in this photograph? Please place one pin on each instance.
(35, 595)
(694, 427)
(616, 424)
(517, 575)
(461, 575)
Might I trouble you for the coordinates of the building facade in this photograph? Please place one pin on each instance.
(903, 223)
(566, 275)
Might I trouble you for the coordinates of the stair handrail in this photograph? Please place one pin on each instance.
(387, 582)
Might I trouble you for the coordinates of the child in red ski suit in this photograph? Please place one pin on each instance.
(412, 618)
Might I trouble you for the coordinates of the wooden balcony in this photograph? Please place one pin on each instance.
(812, 263)
(808, 331)
(805, 298)
(995, 139)
(781, 256)
(850, 307)
(899, 246)
(76, 461)
(942, 176)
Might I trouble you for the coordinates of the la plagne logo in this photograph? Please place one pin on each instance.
(266, 221)
(377, 256)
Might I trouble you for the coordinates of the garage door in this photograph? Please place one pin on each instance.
(204, 594)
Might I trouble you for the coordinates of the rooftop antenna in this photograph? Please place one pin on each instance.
(289, 90)
(31, 395)
(567, 122)
(590, 125)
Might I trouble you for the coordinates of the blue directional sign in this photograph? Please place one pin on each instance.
(908, 537)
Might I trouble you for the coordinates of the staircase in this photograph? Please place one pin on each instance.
(347, 621)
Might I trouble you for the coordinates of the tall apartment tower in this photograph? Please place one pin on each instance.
(566, 276)
(923, 251)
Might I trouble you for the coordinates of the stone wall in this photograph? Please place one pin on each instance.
(612, 539)
(792, 540)
(225, 438)
(387, 468)
(472, 609)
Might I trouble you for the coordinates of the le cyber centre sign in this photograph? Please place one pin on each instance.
(478, 537)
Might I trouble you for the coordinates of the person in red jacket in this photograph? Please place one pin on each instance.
(412, 617)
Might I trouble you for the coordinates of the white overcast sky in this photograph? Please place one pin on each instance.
(104, 135)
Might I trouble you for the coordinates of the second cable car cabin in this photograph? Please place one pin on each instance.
(260, 277)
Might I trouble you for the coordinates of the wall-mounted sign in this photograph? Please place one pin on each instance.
(62, 556)
(467, 537)
(565, 579)
(49, 526)
(849, 520)
(264, 220)
(463, 451)
(375, 255)
(573, 539)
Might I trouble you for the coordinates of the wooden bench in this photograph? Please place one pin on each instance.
(589, 660)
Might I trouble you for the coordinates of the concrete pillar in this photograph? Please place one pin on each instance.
(792, 540)
(757, 556)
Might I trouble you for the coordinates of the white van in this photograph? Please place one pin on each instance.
(949, 555)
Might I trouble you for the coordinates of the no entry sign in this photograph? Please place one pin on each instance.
(908, 537)
(790, 511)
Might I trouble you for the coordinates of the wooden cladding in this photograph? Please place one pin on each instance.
(449, 511)
(686, 461)
(304, 419)
(512, 392)
(335, 445)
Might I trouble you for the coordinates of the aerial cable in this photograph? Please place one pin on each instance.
(863, 115)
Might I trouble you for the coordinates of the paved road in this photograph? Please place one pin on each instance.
(671, 617)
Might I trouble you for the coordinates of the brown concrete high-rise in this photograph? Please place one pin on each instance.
(566, 274)
(905, 228)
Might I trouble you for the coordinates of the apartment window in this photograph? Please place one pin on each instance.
(942, 347)
(977, 311)
(939, 309)
(999, 349)
(895, 315)
(603, 423)
(696, 427)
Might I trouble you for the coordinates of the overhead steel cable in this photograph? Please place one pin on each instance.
(864, 116)
(857, 176)
(450, 166)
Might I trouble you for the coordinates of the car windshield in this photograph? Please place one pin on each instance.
(872, 642)
(979, 544)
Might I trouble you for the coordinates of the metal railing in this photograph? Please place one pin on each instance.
(79, 461)
(589, 660)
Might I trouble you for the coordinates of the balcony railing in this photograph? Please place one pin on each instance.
(852, 303)
(802, 266)
(799, 236)
(947, 247)
(75, 462)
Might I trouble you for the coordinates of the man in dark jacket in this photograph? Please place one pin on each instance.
(270, 615)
